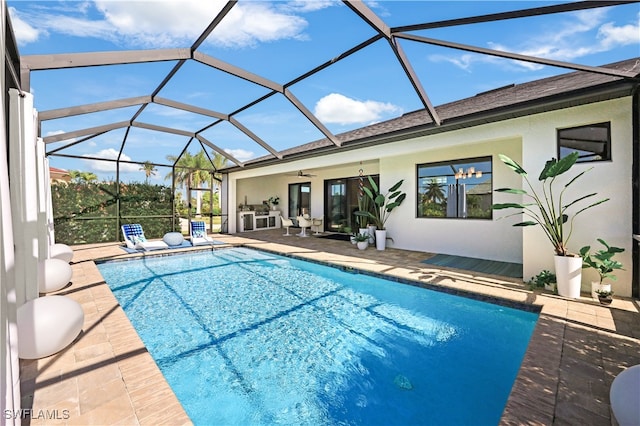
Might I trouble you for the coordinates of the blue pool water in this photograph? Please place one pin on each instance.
(246, 337)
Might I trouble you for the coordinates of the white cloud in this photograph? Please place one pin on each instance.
(309, 5)
(250, 23)
(24, 32)
(155, 24)
(110, 166)
(161, 24)
(337, 108)
(610, 35)
(79, 27)
(54, 132)
(240, 154)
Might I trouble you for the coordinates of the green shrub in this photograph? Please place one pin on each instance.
(87, 212)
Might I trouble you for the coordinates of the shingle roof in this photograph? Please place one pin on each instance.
(547, 94)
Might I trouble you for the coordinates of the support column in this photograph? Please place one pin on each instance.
(44, 245)
(24, 194)
(9, 362)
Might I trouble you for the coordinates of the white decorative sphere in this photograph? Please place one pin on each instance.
(62, 252)
(47, 325)
(173, 238)
(57, 274)
(625, 397)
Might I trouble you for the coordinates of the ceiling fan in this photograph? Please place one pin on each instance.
(301, 174)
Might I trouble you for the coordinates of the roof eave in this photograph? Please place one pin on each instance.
(599, 93)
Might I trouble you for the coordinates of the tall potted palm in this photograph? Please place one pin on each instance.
(552, 213)
(383, 205)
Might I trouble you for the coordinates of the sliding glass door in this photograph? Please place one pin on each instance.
(299, 199)
(341, 202)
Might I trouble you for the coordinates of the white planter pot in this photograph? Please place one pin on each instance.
(595, 286)
(569, 274)
(362, 244)
(381, 239)
(372, 232)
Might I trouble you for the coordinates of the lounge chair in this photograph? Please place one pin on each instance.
(199, 234)
(134, 238)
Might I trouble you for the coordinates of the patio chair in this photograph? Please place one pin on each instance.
(134, 238)
(286, 223)
(198, 232)
(316, 223)
(303, 223)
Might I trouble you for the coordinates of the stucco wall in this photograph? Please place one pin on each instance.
(529, 140)
(488, 239)
(610, 221)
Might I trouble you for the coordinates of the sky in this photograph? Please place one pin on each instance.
(281, 41)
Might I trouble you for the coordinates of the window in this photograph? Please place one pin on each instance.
(456, 189)
(593, 142)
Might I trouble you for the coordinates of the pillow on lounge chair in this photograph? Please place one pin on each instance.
(198, 233)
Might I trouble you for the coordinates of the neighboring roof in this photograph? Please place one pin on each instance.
(511, 101)
(57, 174)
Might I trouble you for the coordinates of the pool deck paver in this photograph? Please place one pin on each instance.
(107, 377)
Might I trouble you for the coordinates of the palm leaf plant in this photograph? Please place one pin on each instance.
(383, 204)
(364, 205)
(548, 209)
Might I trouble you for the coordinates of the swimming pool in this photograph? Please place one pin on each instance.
(248, 337)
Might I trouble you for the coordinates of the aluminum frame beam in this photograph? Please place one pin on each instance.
(517, 56)
(85, 132)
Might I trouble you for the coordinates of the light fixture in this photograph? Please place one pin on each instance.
(469, 173)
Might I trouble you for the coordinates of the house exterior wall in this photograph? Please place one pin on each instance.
(464, 237)
(611, 221)
(529, 140)
(260, 184)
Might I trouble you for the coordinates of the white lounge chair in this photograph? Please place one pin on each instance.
(134, 238)
(198, 232)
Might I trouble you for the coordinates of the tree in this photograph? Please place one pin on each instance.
(149, 170)
(78, 176)
(194, 168)
(219, 161)
(434, 192)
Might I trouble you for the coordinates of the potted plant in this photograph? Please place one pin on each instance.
(546, 279)
(383, 205)
(604, 296)
(274, 201)
(552, 213)
(362, 240)
(602, 261)
(364, 205)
